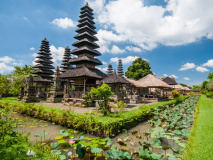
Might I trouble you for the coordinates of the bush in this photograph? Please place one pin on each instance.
(209, 94)
(175, 93)
(203, 91)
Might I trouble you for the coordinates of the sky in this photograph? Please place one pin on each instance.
(174, 36)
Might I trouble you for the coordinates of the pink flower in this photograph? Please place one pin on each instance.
(118, 130)
(155, 108)
(71, 142)
(163, 106)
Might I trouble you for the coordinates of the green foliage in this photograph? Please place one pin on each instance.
(139, 69)
(210, 76)
(204, 85)
(209, 94)
(196, 87)
(10, 83)
(102, 93)
(210, 85)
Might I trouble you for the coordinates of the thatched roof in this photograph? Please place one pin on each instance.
(83, 72)
(170, 81)
(114, 78)
(135, 83)
(187, 89)
(152, 81)
(42, 79)
(179, 87)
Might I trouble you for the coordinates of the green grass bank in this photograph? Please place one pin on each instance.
(200, 141)
(97, 125)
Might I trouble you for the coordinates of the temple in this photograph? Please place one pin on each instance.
(65, 61)
(84, 74)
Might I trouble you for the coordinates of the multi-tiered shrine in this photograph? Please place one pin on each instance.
(84, 74)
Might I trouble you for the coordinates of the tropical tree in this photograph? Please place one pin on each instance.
(196, 87)
(210, 85)
(210, 75)
(204, 84)
(139, 69)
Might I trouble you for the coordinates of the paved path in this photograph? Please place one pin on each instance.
(87, 109)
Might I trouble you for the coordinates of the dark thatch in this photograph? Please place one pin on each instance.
(42, 79)
(83, 72)
(85, 59)
(85, 42)
(114, 78)
(85, 49)
(86, 35)
(170, 81)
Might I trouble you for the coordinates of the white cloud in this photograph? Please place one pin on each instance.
(179, 22)
(115, 50)
(104, 63)
(209, 63)
(57, 55)
(64, 22)
(174, 76)
(25, 18)
(187, 66)
(17, 64)
(133, 49)
(32, 48)
(5, 68)
(165, 75)
(186, 78)
(102, 69)
(124, 60)
(202, 69)
(6, 59)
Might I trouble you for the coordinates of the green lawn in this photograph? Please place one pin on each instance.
(201, 139)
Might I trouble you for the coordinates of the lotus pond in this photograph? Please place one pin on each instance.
(162, 137)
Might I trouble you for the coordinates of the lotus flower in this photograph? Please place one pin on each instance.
(71, 142)
(69, 153)
(30, 152)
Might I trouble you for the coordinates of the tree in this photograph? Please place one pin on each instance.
(24, 70)
(204, 84)
(4, 85)
(210, 85)
(210, 75)
(139, 69)
(102, 93)
(196, 87)
(182, 84)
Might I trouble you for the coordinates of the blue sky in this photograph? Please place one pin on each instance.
(174, 36)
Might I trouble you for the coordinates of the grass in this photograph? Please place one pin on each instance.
(201, 141)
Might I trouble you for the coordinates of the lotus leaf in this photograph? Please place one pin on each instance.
(124, 148)
(108, 140)
(59, 137)
(171, 157)
(125, 139)
(54, 145)
(156, 156)
(185, 132)
(63, 133)
(63, 157)
(96, 150)
(156, 143)
(177, 132)
(41, 134)
(56, 152)
(62, 141)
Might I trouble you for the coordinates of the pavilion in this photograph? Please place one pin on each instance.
(151, 81)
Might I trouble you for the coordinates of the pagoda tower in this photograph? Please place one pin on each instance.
(120, 68)
(65, 62)
(109, 69)
(44, 71)
(44, 63)
(84, 74)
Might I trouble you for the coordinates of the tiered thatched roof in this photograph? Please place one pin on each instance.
(152, 81)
